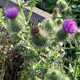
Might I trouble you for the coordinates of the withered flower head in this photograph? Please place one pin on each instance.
(35, 31)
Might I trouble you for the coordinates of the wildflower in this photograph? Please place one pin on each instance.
(35, 31)
(69, 26)
(11, 12)
(56, 9)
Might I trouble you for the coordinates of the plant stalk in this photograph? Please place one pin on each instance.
(76, 65)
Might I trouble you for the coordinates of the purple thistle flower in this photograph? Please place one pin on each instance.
(69, 26)
(11, 12)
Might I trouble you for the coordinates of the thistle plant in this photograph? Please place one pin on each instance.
(56, 13)
(32, 52)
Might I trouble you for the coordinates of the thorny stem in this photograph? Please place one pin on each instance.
(76, 66)
(20, 6)
(76, 69)
(30, 13)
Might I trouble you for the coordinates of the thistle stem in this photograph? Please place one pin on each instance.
(76, 65)
(76, 69)
(30, 13)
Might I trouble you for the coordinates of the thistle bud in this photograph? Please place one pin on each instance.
(62, 4)
(56, 10)
(62, 35)
(68, 10)
(47, 24)
(15, 25)
(41, 41)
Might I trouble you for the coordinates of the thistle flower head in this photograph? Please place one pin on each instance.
(69, 26)
(35, 31)
(11, 12)
(56, 9)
